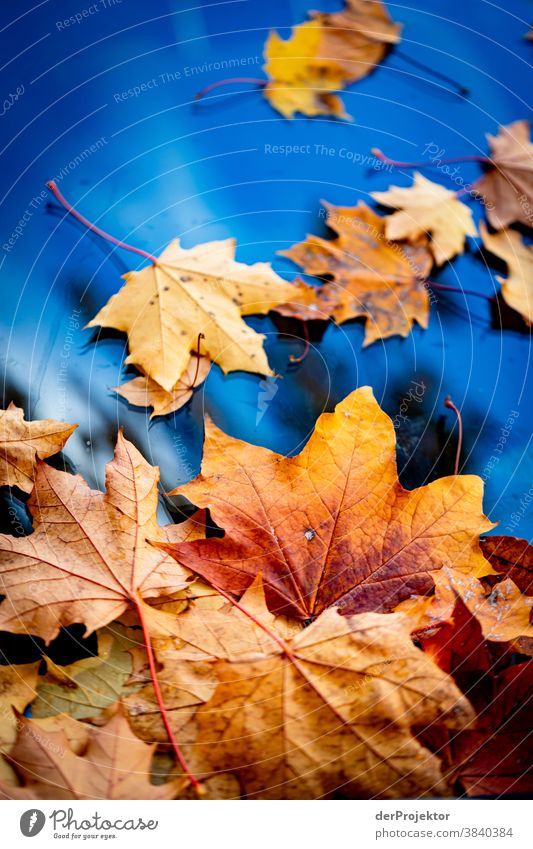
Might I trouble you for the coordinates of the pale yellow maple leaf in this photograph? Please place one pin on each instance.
(166, 306)
(427, 207)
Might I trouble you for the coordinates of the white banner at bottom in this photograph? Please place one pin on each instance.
(502, 824)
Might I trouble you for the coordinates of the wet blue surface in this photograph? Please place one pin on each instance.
(160, 166)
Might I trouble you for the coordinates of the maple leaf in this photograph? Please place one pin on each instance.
(325, 54)
(164, 307)
(185, 647)
(358, 36)
(77, 733)
(457, 646)
(17, 689)
(335, 709)
(331, 525)
(517, 288)
(114, 765)
(144, 392)
(372, 276)
(302, 81)
(502, 611)
(507, 187)
(495, 757)
(86, 687)
(22, 442)
(512, 557)
(87, 559)
(428, 208)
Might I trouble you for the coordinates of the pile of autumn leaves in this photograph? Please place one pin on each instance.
(281, 667)
(343, 636)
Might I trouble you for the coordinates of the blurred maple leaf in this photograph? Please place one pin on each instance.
(507, 186)
(517, 287)
(325, 54)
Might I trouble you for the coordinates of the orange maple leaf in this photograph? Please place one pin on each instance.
(372, 276)
(332, 525)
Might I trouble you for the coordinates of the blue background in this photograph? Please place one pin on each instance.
(168, 166)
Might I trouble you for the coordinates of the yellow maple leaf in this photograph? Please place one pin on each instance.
(300, 80)
(427, 207)
(164, 307)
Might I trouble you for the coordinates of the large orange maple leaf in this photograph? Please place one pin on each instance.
(332, 525)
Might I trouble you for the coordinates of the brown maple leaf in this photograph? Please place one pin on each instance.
(114, 765)
(512, 557)
(22, 442)
(357, 37)
(372, 276)
(507, 187)
(87, 559)
(333, 710)
(331, 525)
(496, 756)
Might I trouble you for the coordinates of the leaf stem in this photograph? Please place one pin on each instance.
(451, 406)
(446, 288)
(159, 697)
(305, 351)
(230, 81)
(461, 89)
(428, 163)
(192, 384)
(92, 227)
